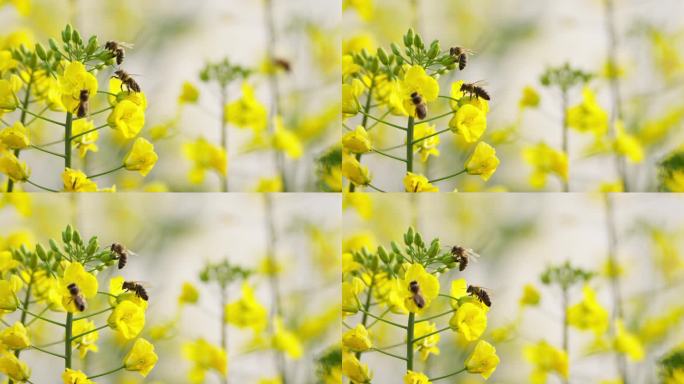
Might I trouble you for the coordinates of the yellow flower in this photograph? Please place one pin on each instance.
(247, 312)
(48, 90)
(15, 137)
(15, 169)
(628, 343)
(427, 284)
(272, 184)
(116, 87)
(247, 112)
(357, 141)
(85, 343)
(205, 356)
(530, 296)
(546, 359)
(286, 341)
(71, 376)
(588, 116)
(412, 377)
(357, 372)
(459, 289)
(141, 157)
(189, 94)
(357, 339)
(428, 143)
(354, 171)
(350, 95)
(127, 118)
(285, 140)
(189, 294)
(350, 292)
(349, 67)
(7, 262)
(205, 156)
(85, 141)
(427, 344)
(588, 314)
(483, 360)
(275, 380)
(74, 273)
(128, 319)
(469, 320)
(469, 122)
(74, 80)
(363, 7)
(483, 161)
(418, 183)
(361, 202)
(529, 99)
(358, 43)
(627, 145)
(416, 80)
(14, 368)
(141, 357)
(8, 90)
(15, 337)
(545, 160)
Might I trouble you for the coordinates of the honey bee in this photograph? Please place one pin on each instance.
(137, 288)
(282, 63)
(417, 297)
(121, 254)
(117, 49)
(475, 90)
(127, 80)
(461, 55)
(77, 297)
(480, 293)
(82, 109)
(421, 107)
(462, 256)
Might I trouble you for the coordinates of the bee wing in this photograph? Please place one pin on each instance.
(480, 83)
(125, 44)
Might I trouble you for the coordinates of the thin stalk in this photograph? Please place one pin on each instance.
(383, 320)
(93, 314)
(224, 333)
(106, 172)
(449, 375)
(41, 187)
(409, 144)
(89, 332)
(566, 327)
(616, 99)
(409, 341)
(47, 151)
(435, 316)
(389, 354)
(364, 122)
(431, 334)
(45, 351)
(67, 339)
(22, 319)
(67, 140)
(22, 119)
(376, 188)
(416, 141)
(449, 177)
(616, 291)
(224, 134)
(366, 306)
(388, 155)
(565, 139)
(106, 373)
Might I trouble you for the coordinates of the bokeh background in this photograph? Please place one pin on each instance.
(514, 42)
(518, 236)
(174, 236)
(172, 42)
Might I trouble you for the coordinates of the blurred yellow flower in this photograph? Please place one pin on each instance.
(286, 341)
(412, 377)
(469, 123)
(429, 140)
(588, 116)
(357, 141)
(546, 359)
(189, 294)
(357, 372)
(427, 284)
(545, 160)
(74, 80)
(71, 376)
(357, 339)
(205, 356)
(350, 97)
(469, 320)
(361, 202)
(588, 314)
(247, 312)
(358, 43)
(269, 184)
(189, 93)
(8, 90)
(354, 171)
(15, 137)
(205, 156)
(418, 183)
(285, 140)
(628, 343)
(483, 161)
(482, 360)
(85, 141)
(14, 168)
(14, 368)
(530, 98)
(350, 292)
(128, 319)
(141, 157)
(86, 342)
(427, 344)
(247, 112)
(530, 297)
(627, 145)
(363, 7)
(141, 358)
(8, 298)
(15, 337)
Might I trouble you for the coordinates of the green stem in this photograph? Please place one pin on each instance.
(382, 316)
(93, 314)
(106, 373)
(106, 172)
(388, 155)
(41, 187)
(74, 137)
(22, 119)
(67, 339)
(448, 375)
(383, 320)
(364, 122)
(435, 316)
(47, 151)
(42, 318)
(366, 306)
(224, 134)
(40, 117)
(382, 121)
(48, 352)
(565, 139)
(416, 141)
(430, 334)
(437, 117)
(89, 332)
(449, 177)
(409, 341)
(376, 188)
(67, 140)
(388, 354)
(409, 145)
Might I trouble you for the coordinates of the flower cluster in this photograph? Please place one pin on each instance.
(404, 283)
(42, 82)
(62, 279)
(404, 83)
